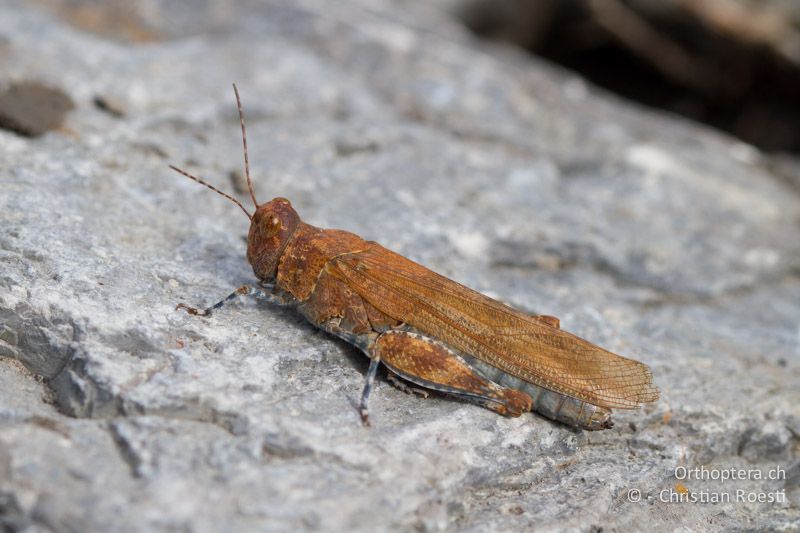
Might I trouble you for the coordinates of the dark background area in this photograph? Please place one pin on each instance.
(732, 64)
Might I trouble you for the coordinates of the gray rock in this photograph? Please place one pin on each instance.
(653, 237)
(32, 109)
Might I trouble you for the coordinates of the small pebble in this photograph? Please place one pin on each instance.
(31, 109)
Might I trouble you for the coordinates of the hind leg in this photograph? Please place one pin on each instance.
(401, 385)
(430, 364)
(550, 320)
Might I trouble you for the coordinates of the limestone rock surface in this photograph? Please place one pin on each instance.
(656, 238)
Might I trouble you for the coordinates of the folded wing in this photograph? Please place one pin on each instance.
(508, 339)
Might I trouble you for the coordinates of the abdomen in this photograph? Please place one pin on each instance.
(553, 405)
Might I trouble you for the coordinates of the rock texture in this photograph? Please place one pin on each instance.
(656, 238)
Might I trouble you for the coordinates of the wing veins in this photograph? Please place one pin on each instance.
(553, 358)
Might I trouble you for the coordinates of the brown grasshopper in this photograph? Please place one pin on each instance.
(426, 328)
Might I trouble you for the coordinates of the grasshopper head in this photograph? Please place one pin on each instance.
(271, 228)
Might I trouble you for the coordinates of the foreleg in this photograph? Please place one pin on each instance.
(273, 297)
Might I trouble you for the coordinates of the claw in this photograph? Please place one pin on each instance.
(192, 310)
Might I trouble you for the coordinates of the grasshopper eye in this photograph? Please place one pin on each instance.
(272, 226)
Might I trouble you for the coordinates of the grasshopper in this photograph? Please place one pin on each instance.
(425, 328)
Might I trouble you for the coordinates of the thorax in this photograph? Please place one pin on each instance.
(305, 257)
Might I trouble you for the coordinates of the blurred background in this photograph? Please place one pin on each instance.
(731, 64)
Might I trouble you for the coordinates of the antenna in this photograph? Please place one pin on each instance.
(201, 182)
(244, 143)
